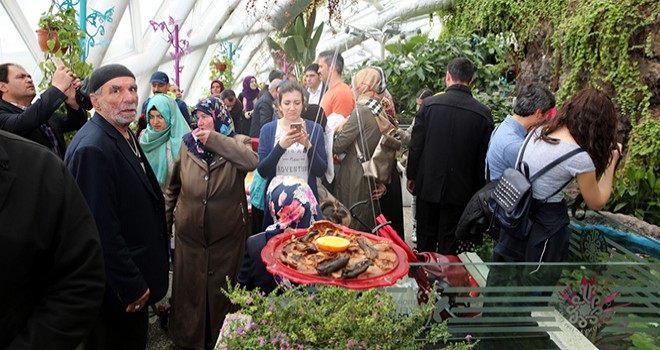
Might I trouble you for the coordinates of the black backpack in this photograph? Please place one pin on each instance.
(511, 199)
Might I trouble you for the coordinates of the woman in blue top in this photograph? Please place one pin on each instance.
(292, 145)
(162, 138)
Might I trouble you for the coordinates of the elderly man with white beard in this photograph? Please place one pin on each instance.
(127, 204)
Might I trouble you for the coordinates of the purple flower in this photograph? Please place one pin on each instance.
(261, 341)
(469, 336)
(239, 331)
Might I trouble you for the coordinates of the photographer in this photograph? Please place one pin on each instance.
(38, 121)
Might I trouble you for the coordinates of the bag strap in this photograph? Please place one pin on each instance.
(522, 149)
(359, 153)
(555, 163)
(360, 137)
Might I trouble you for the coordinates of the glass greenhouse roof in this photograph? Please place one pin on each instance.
(211, 27)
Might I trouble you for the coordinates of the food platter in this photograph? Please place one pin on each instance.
(273, 250)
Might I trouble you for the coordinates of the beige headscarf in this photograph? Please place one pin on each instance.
(366, 83)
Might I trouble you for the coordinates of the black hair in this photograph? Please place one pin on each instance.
(330, 59)
(275, 74)
(461, 70)
(532, 97)
(424, 93)
(227, 93)
(314, 67)
(4, 73)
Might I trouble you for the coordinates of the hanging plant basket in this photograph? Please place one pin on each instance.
(221, 67)
(43, 35)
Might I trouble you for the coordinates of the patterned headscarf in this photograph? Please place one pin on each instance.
(214, 107)
(222, 123)
(366, 84)
(291, 203)
(154, 142)
(249, 93)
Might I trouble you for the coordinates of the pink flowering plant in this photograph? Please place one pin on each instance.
(327, 317)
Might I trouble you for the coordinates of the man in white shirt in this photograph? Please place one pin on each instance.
(315, 87)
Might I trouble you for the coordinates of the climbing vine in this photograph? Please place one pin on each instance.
(592, 40)
(595, 42)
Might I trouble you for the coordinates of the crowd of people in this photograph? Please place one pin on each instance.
(119, 205)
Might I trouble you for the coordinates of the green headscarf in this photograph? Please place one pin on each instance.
(154, 143)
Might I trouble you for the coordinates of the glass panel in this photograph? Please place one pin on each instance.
(13, 48)
(607, 293)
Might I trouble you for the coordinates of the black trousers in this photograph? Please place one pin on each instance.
(112, 331)
(436, 227)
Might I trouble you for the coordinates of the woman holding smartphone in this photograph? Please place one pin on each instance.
(292, 145)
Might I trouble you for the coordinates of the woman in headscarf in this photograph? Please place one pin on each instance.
(249, 95)
(162, 138)
(362, 129)
(217, 87)
(291, 204)
(206, 202)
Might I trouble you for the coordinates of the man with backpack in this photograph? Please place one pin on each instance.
(533, 104)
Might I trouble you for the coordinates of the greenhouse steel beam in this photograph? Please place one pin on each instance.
(278, 16)
(401, 10)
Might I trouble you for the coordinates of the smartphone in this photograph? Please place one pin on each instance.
(297, 126)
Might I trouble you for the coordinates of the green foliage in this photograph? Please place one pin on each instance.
(594, 44)
(592, 39)
(637, 193)
(645, 144)
(637, 188)
(226, 76)
(69, 35)
(421, 62)
(299, 41)
(328, 318)
(484, 17)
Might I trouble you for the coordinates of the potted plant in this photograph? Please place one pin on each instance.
(221, 69)
(63, 35)
(58, 29)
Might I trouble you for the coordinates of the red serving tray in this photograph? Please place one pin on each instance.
(273, 248)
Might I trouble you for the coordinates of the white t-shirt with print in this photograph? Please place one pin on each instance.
(294, 161)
